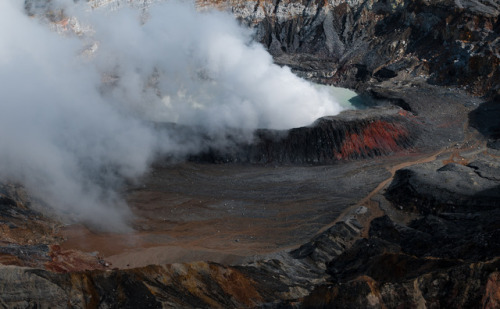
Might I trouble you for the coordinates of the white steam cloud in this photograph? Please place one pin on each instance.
(75, 123)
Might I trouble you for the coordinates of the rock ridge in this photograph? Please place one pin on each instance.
(351, 136)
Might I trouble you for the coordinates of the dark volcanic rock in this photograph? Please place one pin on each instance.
(188, 285)
(29, 238)
(327, 245)
(351, 135)
(473, 237)
(422, 263)
(486, 120)
(266, 281)
(430, 188)
(446, 42)
(383, 262)
(467, 285)
(448, 257)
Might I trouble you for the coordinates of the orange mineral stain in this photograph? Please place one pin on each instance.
(379, 135)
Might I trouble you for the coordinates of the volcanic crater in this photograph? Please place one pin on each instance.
(389, 206)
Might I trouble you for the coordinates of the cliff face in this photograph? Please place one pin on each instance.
(452, 43)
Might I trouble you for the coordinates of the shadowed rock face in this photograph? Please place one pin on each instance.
(351, 42)
(422, 263)
(349, 136)
(26, 233)
(451, 188)
(452, 249)
(485, 120)
(439, 284)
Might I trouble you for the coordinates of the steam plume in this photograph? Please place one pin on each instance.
(77, 109)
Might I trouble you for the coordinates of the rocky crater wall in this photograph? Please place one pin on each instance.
(430, 241)
(452, 43)
(349, 136)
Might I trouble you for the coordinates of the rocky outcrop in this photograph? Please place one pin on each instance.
(349, 136)
(485, 120)
(429, 188)
(29, 236)
(352, 42)
(429, 283)
(419, 264)
(447, 258)
(26, 233)
(402, 120)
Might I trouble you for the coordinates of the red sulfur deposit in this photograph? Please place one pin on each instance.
(380, 136)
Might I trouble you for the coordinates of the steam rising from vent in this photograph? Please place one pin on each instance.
(77, 109)
(201, 68)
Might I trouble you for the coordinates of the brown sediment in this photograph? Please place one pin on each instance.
(455, 157)
(229, 212)
(224, 213)
(81, 238)
(173, 225)
(224, 240)
(491, 298)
